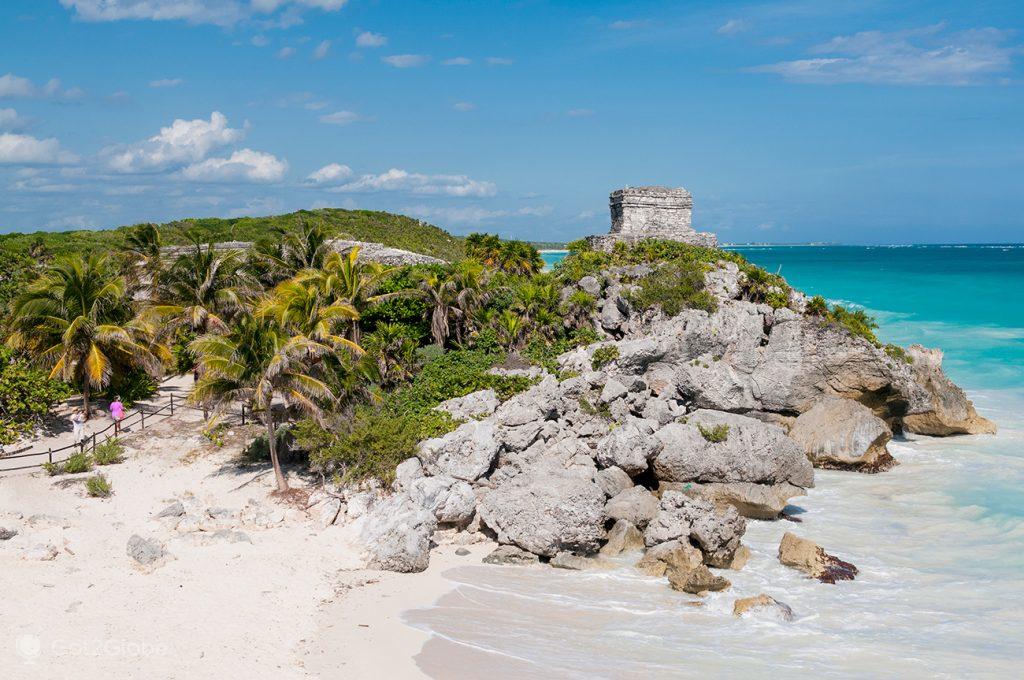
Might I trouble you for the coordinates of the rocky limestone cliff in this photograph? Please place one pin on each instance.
(700, 421)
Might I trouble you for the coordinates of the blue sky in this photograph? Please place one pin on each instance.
(857, 122)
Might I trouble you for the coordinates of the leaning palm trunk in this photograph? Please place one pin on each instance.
(279, 478)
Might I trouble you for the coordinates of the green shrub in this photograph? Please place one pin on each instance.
(132, 386)
(604, 355)
(77, 463)
(674, 287)
(898, 353)
(714, 434)
(600, 409)
(26, 395)
(545, 352)
(377, 437)
(98, 486)
(816, 306)
(109, 452)
(858, 322)
(52, 469)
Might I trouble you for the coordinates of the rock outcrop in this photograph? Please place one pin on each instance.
(692, 424)
(397, 533)
(762, 604)
(683, 519)
(749, 451)
(546, 511)
(950, 412)
(811, 559)
(843, 434)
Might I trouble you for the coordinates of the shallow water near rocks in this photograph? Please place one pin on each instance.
(939, 540)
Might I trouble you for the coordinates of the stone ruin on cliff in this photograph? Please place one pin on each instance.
(640, 213)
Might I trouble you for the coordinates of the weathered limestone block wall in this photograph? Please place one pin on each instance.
(640, 213)
(650, 210)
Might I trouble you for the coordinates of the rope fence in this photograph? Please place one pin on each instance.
(92, 440)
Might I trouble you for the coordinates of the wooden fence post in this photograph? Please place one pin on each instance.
(143, 412)
(243, 414)
(49, 454)
(172, 404)
(94, 442)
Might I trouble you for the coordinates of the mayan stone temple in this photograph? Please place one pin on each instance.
(651, 212)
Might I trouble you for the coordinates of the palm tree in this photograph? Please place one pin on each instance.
(255, 362)
(394, 350)
(301, 307)
(510, 328)
(77, 321)
(144, 243)
(438, 289)
(202, 290)
(470, 291)
(306, 246)
(485, 248)
(520, 258)
(346, 278)
(577, 308)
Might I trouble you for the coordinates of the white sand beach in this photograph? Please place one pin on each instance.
(290, 604)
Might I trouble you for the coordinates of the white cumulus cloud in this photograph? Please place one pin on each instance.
(464, 106)
(420, 184)
(732, 27)
(244, 165)
(183, 141)
(217, 12)
(322, 50)
(28, 150)
(457, 61)
(166, 82)
(332, 173)
(12, 86)
(924, 56)
(405, 60)
(370, 39)
(10, 120)
(340, 118)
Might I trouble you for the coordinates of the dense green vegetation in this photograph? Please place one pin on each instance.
(342, 359)
(26, 396)
(684, 266)
(674, 287)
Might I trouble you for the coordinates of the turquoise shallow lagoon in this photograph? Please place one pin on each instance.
(939, 539)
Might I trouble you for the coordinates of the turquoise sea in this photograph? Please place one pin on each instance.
(939, 540)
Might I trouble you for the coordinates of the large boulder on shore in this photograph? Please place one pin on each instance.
(843, 434)
(636, 505)
(546, 510)
(749, 451)
(754, 501)
(396, 533)
(450, 500)
(950, 412)
(716, 533)
(466, 453)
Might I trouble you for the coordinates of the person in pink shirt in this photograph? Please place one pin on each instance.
(116, 414)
